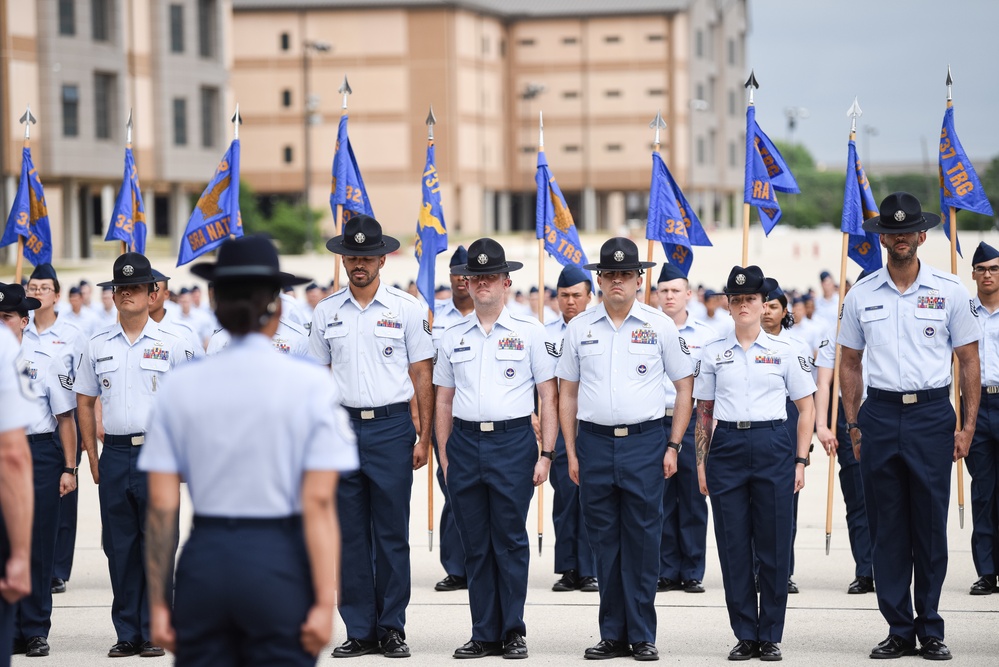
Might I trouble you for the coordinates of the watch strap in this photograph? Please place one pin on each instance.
(69, 471)
(801, 459)
(675, 445)
(548, 455)
(852, 425)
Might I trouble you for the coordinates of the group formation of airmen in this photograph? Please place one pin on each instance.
(642, 415)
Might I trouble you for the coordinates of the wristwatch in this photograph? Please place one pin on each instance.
(675, 445)
(852, 425)
(548, 455)
(801, 459)
(69, 471)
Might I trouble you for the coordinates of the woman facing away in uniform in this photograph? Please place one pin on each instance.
(755, 464)
(253, 434)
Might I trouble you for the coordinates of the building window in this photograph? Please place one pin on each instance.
(105, 103)
(569, 41)
(209, 117)
(286, 98)
(570, 94)
(612, 39)
(571, 148)
(732, 157)
(101, 12)
(656, 38)
(67, 18)
(731, 51)
(207, 28)
(525, 42)
(731, 103)
(656, 92)
(699, 90)
(699, 44)
(614, 148)
(179, 121)
(485, 46)
(285, 41)
(712, 141)
(177, 28)
(700, 150)
(288, 155)
(502, 48)
(70, 111)
(612, 93)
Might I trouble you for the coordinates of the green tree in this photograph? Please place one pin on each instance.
(287, 223)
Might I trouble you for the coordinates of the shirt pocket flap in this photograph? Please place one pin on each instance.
(459, 356)
(645, 349)
(587, 349)
(937, 314)
(105, 365)
(874, 315)
(335, 331)
(511, 355)
(389, 332)
(160, 365)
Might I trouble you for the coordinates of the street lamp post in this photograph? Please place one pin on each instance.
(310, 103)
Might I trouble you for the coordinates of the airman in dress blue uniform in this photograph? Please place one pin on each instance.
(125, 366)
(909, 318)
(685, 509)
(486, 372)
(983, 457)
(574, 558)
(446, 313)
(619, 453)
(53, 463)
(755, 465)
(376, 338)
(259, 438)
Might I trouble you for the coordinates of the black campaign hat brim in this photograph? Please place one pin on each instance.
(618, 267)
(128, 282)
(468, 270)
(389, 245)
(925, 222)
(213, 273)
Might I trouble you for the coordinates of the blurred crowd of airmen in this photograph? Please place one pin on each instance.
(733, 386)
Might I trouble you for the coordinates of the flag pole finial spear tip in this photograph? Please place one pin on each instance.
(752, 84)
(345, 91)
(431, 121)
(128, 129)
(658, 124)
(950, 85)
(236, 121)
(541, 130)
(854, 112)
(28, 119)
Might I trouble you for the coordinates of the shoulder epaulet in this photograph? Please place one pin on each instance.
(294, 326)
(527, 319)
(777, 340)
(335, 294)
(868, 277)
(950, 277)
(463, 320)
(102, 332)
(403, 294)
(218, 330)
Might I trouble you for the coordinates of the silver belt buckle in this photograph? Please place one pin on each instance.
(486, 427)
(621, 432)
(992, 390)
(909, 399)
(367, 414)
(742, 426)
(669, 412)
(138, 440)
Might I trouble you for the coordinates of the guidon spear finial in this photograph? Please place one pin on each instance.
(345, 91)
(236, 121)
(853, 113)
(27, 119)
(658, 124)
(431, 121)
(752, 84)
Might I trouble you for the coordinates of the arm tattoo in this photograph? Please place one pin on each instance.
(703, 429)
(161, 547)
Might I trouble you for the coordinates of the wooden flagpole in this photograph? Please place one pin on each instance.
(431, 121)
(752, 85)
(541, 317)
(27, 120)
(345, 91)
(952, 221)
(128, 145)
(236, 121)
(657, 124)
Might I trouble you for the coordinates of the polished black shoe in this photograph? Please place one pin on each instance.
(984, 586)
(150, 650)
(861, 585)
(58, 585)
(934, 649)
(644, 651)
(123, 650)
(394, 646)
(477, 649)
(893, 647)
(568, 582)
(792, 587)
(37, 647)
(355, 647)
(665, 584)
(744, 650)
(607, 649)
(770, 652)
(693, 586)
(515, 647)
(589, 585)
(451, 582)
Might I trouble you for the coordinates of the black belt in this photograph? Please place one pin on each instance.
(742, 426)
(488, 427)
(375, 413)
(994, 389)
(908, 397)
(621, 430)
(132, 440)
(201, 521)
(41, 437)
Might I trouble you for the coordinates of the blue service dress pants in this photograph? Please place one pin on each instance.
(66, 537)
(983, 465)
(621, 488)
(34, 613)
(7, 610)
(906, 457)
(373, 506)
(685, 515)
(572, 544)
(243, 591)
(124, 494)
(452, 553)
(490, 479)
(750, 478)
(852, 484)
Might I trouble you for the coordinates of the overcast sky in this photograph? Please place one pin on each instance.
(893, 55)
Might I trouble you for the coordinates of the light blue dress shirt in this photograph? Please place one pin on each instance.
(51, 384)
(695, 335)
(289, 338)
(15, 386)
(988, 344)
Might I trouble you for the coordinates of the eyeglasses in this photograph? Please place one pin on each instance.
(36, 289)
(982, 270)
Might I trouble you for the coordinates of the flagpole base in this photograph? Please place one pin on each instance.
(430, 540)
(960, 515)
(540, 537)
(828, 541)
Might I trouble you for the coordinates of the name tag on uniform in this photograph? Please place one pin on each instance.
(511, 343)
(767, 359)
(335, 323)
(589, 342)
(932, 302)
(104, 359)
(156, 352)
(461, 349)
(644, 336)
(873, 308)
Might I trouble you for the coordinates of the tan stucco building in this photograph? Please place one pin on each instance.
(599, 70)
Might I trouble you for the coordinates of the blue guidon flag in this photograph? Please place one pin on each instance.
(128, 219)
(671, 219)
(29, 217)
(553, 221)
(216, 215)
(960, 187)
(431, 232)
(858, 205)
(766, 173)
(348, 186)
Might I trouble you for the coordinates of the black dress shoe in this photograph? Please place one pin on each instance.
(934, 649)
(515, 646)
(893, 647)
(792, 588)
(150, 650)
(123, 650)
(744, 650)
(644, 651)
(770, 652)
(861, 585)
(58, 585)
(665, 584)
(477, 649)
(568, 582)
(986, 585)
(607, 649)
(589, 584)
(451, 582)
(355, 647)
(394, 646)
(37, 647)
(693, 586)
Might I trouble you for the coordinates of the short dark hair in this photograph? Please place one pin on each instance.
(244, 307)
